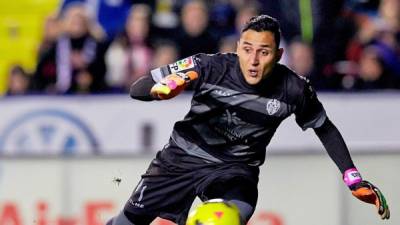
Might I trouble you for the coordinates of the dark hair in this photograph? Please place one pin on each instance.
(18, 69)
(264, 23)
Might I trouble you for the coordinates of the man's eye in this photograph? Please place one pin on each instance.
(247, 50)
(265, 53)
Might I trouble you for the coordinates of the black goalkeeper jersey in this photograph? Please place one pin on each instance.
(232, 121)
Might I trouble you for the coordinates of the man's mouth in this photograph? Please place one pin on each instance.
(253, 72)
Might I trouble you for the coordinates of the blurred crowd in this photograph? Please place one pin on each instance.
(103, 46)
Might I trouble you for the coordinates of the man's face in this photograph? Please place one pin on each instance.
(258, 54)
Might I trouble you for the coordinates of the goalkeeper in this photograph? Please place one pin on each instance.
(239, 100)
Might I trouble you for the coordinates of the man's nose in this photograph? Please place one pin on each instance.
(254, 59)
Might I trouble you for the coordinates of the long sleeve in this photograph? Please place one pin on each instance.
(334, 145)
(140, 89)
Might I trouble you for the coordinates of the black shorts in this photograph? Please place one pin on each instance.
(172, 181)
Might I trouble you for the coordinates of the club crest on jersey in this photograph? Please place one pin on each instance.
(183, 64)
(273, 106)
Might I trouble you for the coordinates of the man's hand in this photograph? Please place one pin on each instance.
(367, 192)
(171, 85)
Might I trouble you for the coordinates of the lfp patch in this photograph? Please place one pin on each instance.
(183, 64)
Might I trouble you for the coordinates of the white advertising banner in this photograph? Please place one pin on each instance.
(86, 125)
(293, 190)
(116, 124)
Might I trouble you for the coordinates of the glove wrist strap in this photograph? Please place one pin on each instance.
(351, 177)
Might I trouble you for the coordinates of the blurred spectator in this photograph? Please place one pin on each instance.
(301, 58)
(376, 46)
(84, 81)
(78, 49)
(371, 68)
(388, 35)
(373, 74)
(18, 81)
(111, 14)
(385, 19)
(194, 36)
(129, 56)
(50, 34)
(165, 52)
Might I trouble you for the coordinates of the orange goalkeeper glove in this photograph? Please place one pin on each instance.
(366, 192)
(173, 84)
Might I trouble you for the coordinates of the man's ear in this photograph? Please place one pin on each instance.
(279, 54)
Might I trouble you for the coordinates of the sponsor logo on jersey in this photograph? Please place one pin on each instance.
(273, 106)
(184, 64)
(229, 125)
(222, 93)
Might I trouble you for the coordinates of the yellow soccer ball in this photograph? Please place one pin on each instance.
(214, 212)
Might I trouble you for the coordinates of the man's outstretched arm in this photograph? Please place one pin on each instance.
(335, 145)
(146, 89)
(338, 151)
